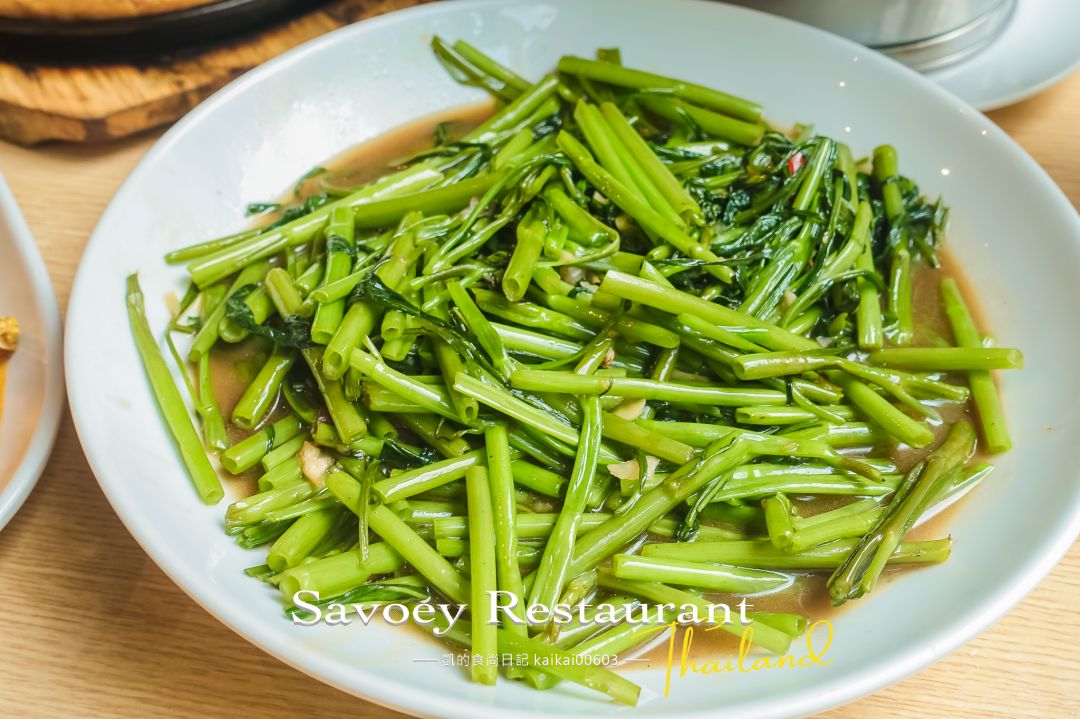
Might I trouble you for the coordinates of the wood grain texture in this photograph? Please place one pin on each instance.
(100, 103)
(97, 10)
(90, 627)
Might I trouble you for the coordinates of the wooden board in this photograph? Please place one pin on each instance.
(100, 103)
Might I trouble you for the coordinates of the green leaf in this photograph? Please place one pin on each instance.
(399, 455)
(374, 290)
(688, 529)
(338, 244)
(257, 208)
(295, 331)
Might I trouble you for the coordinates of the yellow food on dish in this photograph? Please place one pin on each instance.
(9, 336)
(9, 340)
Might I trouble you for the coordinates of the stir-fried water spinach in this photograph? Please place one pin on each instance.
(618, 340)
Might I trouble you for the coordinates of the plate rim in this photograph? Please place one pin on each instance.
(30, 468)
(402, 697)
(949, 77)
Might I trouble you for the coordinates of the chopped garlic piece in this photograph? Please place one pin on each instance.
(571, 274)
(173, 303)
(625, 470)
(630, 409)
(631, 471)
(9, 334)
(315, 463)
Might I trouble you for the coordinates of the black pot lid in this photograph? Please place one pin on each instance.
(141, 38)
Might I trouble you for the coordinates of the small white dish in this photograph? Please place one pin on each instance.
(1037, 48)
(34, 390)
(1016, 233)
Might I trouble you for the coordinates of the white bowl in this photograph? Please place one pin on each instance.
(33, 394)
(1014, 230)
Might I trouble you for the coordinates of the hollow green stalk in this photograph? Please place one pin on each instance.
(169, 401)
(861, 569)
(620, 76)
(983, 390)
(259, 396)
(709, 576)
(627, 200)
(246, 453)
(761, 553)
(483, 576)
(569, 383)
(553, 573)
(948, 359)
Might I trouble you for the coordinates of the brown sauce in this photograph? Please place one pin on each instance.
(371, 160)
(232, 367)
(384, 154)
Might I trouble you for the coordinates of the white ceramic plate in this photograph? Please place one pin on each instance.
(34, 391)
(1037, 48)
(1015, 231)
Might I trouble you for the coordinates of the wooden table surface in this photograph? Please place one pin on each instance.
(90, 627)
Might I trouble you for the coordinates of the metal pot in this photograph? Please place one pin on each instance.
(925, 34)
